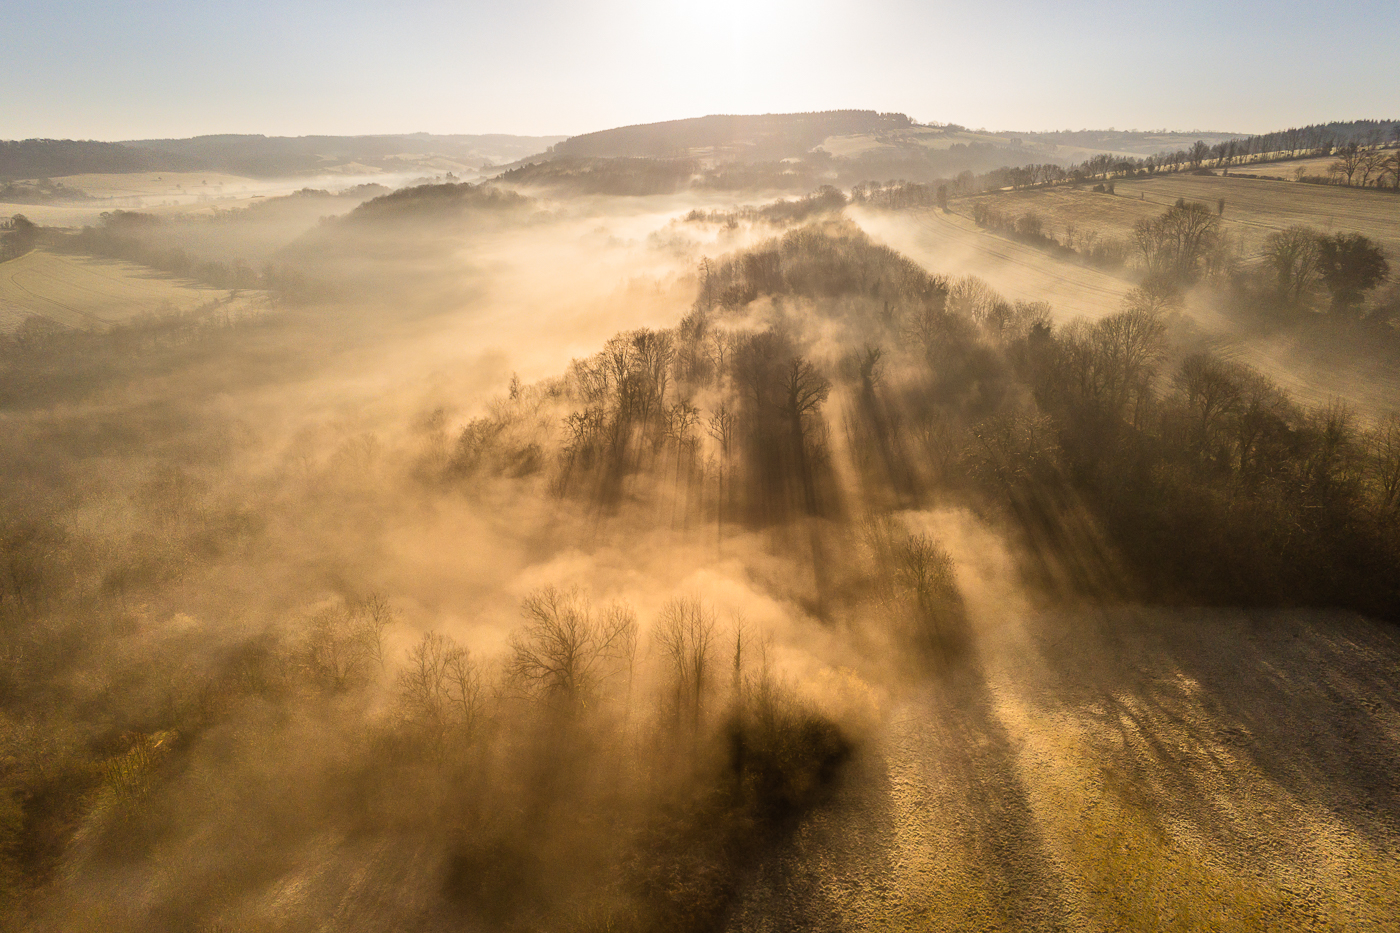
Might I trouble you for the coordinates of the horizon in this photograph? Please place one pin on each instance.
(1171, 131)
(79, 70)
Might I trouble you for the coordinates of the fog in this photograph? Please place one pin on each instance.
(535, 562)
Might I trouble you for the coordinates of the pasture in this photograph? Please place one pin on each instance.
(78, 291)
(949, 244)
(1254, 208)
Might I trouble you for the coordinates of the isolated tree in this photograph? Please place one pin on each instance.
(943, 198)
(1350, 265)
(1349, 161)
(1294, 256)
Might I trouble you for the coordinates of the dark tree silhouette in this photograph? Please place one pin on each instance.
(1351, 265)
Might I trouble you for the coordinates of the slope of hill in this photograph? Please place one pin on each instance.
(848, 134)
(267, 156)
(757, 137)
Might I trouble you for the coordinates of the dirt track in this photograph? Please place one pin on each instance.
(1113, 770)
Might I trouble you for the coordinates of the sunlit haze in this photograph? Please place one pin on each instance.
(799, 466)
(121, 70)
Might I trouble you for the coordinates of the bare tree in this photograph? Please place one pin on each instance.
(1198, 153)
(440, 689)
(804, 391)
(1349, 161)
(566, 651)
(721, 428)
(1384, 449)
(1173, 245)
(1293, 255)
(1372, 163)
(1212, 389)
(973, 297)
(684, 632)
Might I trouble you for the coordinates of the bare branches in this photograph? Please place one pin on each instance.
(566, 650)
(685, 631)
(441, 688)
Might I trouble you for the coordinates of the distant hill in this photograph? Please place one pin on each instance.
(745, 138)
(799, 151)
(54, 158)
(267, 156)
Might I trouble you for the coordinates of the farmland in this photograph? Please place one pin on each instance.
(1254, 208)
(77, 291)
(951, 244)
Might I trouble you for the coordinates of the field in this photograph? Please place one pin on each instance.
(951, 244)
(178, 193)
(78, 291)
(1254, 208)
(1129, 770)
(1288, 168)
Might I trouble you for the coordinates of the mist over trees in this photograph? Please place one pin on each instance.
(599, 649)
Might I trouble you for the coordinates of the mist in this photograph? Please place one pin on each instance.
(522, 554)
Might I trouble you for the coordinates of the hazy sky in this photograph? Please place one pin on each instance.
(121, 69)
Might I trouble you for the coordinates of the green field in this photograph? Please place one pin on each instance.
(78, 291)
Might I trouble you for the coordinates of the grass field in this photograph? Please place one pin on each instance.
(76, 291)
(1254, 208)
(1286, 169)
(950, 244)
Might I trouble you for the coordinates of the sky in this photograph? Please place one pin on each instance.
(131, 69)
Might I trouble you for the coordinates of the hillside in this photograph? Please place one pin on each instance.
(757, 137)
(266, 156)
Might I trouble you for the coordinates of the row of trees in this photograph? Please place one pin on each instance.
(1360, 165)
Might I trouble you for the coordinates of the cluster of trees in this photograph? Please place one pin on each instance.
(900, 195)
(54, 158)
(780, 213)
(1204, 477)
(1086, 245)
(1366, 165)
(18, 235)
(128, 739)
(1299, 260)
(1176, 246)
(122, 235)
(620, 176)
(42, 191)
(1359, 146)
(1210, 480)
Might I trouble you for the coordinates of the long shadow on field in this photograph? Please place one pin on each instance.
(989, 792)
(941, 811)
(1302, 697)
